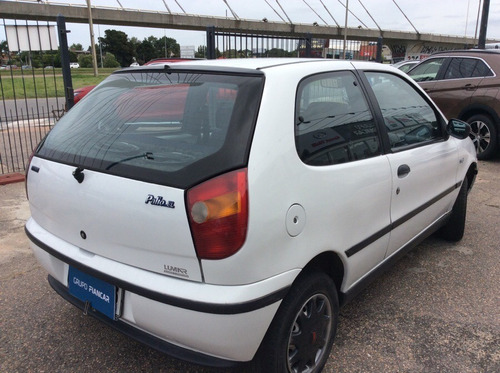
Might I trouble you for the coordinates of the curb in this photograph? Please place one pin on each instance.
(11, 178)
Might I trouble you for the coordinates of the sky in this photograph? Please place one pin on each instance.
(446, 17)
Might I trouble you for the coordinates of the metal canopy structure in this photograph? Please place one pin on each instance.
(156, 19)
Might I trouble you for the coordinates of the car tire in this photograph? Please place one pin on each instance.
(455, 227)
(483, 135)
(301, 335)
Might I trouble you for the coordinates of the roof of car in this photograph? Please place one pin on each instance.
(469, 51)
(257, 64)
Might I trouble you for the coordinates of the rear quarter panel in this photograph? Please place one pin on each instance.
(337, 216)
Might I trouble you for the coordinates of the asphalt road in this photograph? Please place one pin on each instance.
(436, 310)
(30, 107)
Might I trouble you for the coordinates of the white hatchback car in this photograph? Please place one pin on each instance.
(222, 211)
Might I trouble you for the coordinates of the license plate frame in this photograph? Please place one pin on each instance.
(99, 294)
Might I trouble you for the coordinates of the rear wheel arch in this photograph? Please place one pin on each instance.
(303, 329)
(477, 109)
(330, 267)
(329, 263)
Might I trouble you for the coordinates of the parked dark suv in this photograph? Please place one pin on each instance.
(465, 85)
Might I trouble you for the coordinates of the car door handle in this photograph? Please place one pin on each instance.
(403, 170)
(470, 87)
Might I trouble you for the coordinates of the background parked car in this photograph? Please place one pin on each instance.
(74, 65)
(80, 93)
(406, 66)
(466, 85)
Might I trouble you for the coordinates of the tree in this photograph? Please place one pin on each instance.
(73, 57)
(4, 48)
(152, 47)
(173, 49)
(117, 43)
(76, 47)
(51, 59)
(278, 52)
(229, 53)
(146, 50)
(134, 44)
(233, 53)
(201, 52)
(245, 53)
(85, 60)
(110, 61)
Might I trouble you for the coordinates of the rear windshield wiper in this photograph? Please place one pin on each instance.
(146, 155)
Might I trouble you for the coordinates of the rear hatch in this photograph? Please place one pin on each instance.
(111, 177)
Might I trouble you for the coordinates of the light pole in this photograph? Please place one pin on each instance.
(484, 24)
(92, 43)
(345, 27)
(100, 44)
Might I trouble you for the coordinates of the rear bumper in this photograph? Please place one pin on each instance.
(206, 324)
(141, 336)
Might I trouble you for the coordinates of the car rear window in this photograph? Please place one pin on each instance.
(167, 127)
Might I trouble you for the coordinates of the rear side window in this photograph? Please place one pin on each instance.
(172, 128)
(460, 68)
(410, 120)
(333, 121)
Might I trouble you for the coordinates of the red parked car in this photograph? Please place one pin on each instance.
(80, 93)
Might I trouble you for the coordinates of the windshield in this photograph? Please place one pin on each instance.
(167, 127)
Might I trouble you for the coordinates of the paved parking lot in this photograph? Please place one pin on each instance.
(437, 310)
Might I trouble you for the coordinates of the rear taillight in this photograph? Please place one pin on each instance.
(218, 215)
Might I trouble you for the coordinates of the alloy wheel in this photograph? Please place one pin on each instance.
(309, 335)
(480, 135)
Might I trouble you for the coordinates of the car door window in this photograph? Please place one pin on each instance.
(426, 70)
(460, 68)
(333, 121)
(409, 118)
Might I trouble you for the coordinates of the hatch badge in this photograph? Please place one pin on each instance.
(159, 201)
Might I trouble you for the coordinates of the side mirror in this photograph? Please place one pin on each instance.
(458, 129)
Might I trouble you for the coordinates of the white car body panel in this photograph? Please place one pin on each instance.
(432, 172)
(233, 337)
(171, 323)
(160, 236)
(289, 181)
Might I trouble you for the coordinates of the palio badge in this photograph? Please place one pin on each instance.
(159, 201)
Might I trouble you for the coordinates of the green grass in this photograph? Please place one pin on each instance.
(39, 83)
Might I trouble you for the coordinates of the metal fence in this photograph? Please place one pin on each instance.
(30, 95)
(247, 45)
